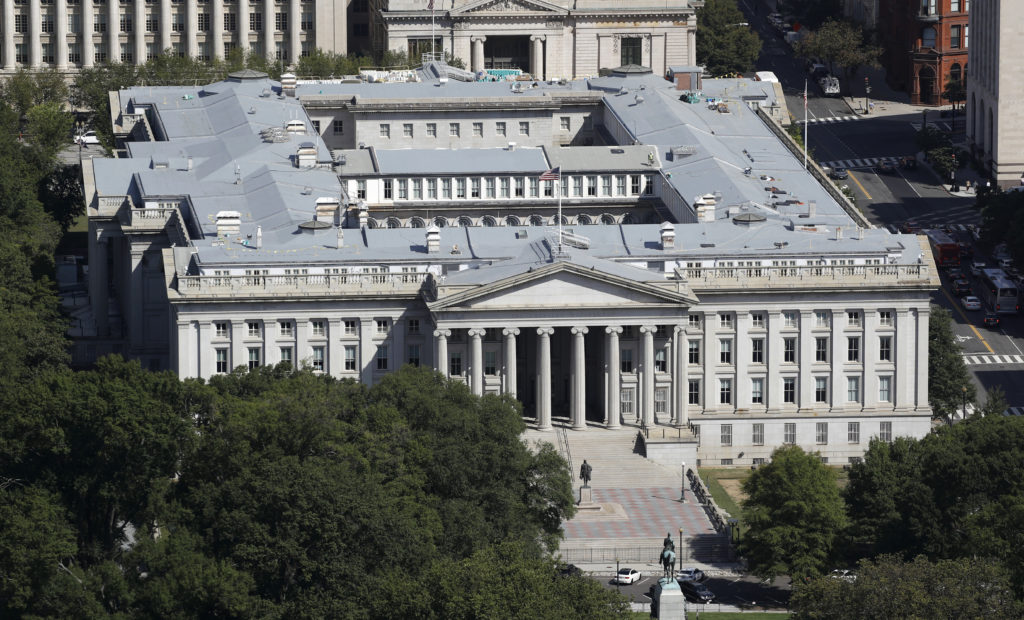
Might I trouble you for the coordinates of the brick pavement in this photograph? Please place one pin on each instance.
(649, 513)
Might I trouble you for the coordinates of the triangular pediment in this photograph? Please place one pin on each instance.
(563, 286)
(502, 7)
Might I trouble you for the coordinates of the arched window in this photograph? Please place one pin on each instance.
(417, 222)
(627, 218)
(583, 219)
(394, 222)
(440, 221)
(536, 220)
(465, 221)
(371, 223)
(489, 221)
(512, 220)
(608, 219)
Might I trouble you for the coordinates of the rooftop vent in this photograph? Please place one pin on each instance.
(748, 219)
(433, 240)
(668, 236)
(305, 156)
(313, 227)
(679, 152)
(228, 223)
(328, 208)
(296, 126)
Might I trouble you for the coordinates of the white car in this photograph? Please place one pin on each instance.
(627, 576)
(87, 138)
(976, 268)
(971, 303)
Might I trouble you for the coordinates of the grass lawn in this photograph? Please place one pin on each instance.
(725, 501)
(728, 615)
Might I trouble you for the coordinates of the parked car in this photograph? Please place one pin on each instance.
(911, 227)
(991, 319)
(961, 287)
(976, 268)
(839, 174)
(843, 575)
(1005, 264)
(690, 574)
(695, 591)
(886, 166)
(87, 138)
(627, 576)
(971, 303)
(829, 85)
(956, 273)
(909, 162)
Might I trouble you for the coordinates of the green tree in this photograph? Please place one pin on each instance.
(839, 43)
(1002, 221)
(725, 44)
(995, 402)
(889, 587)
(955, 91)
(794, 515)
(949, 383)
(48, 126)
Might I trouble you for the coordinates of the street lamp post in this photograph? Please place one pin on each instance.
(965, 401)
(617, 574)
(682, 489)
(79, 126)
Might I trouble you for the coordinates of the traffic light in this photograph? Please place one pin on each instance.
(867, 86)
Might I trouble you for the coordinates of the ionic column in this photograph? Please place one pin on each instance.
(238, 355)
(805, 388)
(99, 283)
(921, 400)
(294, 31)
(441, 364)
(647, 375)
(207, 365)
(34, 38)
(335, 352)
(137, 299)
(113, 32)
(839, 352)
(478, 53)
(8, 35)
(165, 24)
(242, 33)
(773, 385)
(61, 30)
(579, 380)
(268, 29)
(680, 385)
(544, 378)
(510, 334)
(138, 36)
(742, 351)
(88, 47)
(216, 33)
(902, 357)
(537, 57)
(869, 384)
(476, 361)
(192, 28)
(184, 360)
(611, 412)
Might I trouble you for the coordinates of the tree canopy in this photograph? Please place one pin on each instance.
(794, 516)
(725, 43)
(839, 43)
(949, 383)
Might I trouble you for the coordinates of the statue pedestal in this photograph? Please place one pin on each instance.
(671, 603)
(587, 499)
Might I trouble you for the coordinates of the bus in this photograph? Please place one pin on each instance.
(999, 292)
(945, 248)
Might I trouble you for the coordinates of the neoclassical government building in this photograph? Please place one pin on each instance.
(682, 270)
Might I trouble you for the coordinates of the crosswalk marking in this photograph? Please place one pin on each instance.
(1014, 411)
(866, 162)
(978, 360)
(941, 126)
(829, 119)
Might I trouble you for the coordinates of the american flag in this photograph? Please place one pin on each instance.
(552, 175)
(430, 5)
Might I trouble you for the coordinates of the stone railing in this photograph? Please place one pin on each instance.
(150, 218)
(806, 276)
(302, 285)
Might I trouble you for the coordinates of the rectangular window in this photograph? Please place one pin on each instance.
(821, 389)
(954, 37)
(306, 22)
(474, 187)
(853, 349)
(318, 359)
(885, 389)
(885, 348)
(254, 357)
(693, 391)
(606, 185)
(549, 189)
(453, 130)
(524, 128)
(727, 434)
(446, 189)
(757, 320)
(403, 189)
(412, 326)
(693, 320)
(417, 189)
(385, 130)
(338, 127)
(389, 191)
(563, 123)
(220, 329)
(350, 357)
(431, 130)
(361, 189)
(455, 365)
(757, 390)
(490, 362)
(413, 356)
(499, 128)
(520, 187)
(626, 401)
(789, 350)
(725, 320)
(534, 187)
(230, 22)
(432, 189)
(491, 191)
(152, 23)
(286, 355)
(885, 431)
(319, 328)
(725, 350)
(725, 391)
(821, 432)
(626, 360)
(350, 328)
(660, 400)
(126, 53)
(620, 185)
(632, 51)
(222, 360)
(577, 186)
(478, 130)
(757, 350)
(821, 349)
(789, 319)
(382, 357)
(789, 390)
(853, 318)
(256, 22)
(885, 318)
(383, 326)
(506, 187)
(254, 328)
(591, 185)
(757, 436)
(406, 130)
(853, 432)
(789, 433)
(126, 22)
(660, 361)
(853, 389)
(286, 328)
(99, 22)
(281, 22)
(821, 319)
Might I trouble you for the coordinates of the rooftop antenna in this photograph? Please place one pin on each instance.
(238, 174)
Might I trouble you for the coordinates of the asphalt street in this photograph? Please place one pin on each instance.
(732, 591)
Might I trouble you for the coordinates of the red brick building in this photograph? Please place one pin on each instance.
(925, 43)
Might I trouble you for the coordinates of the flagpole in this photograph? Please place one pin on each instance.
(559, 190)
(432, 51)
(805, 123)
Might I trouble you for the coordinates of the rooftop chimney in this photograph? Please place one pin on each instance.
(341, 237)
(860, 233)
(228, 223)
(259, 237)
(433, 240)
(839, 233)
(668, 236)
(812, 206)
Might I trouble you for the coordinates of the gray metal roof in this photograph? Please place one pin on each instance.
(518, 160)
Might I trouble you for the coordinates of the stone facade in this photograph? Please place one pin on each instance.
(925, 42)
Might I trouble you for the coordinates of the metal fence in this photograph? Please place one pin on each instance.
(704, 549)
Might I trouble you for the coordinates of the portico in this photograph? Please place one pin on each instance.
(558, 328)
